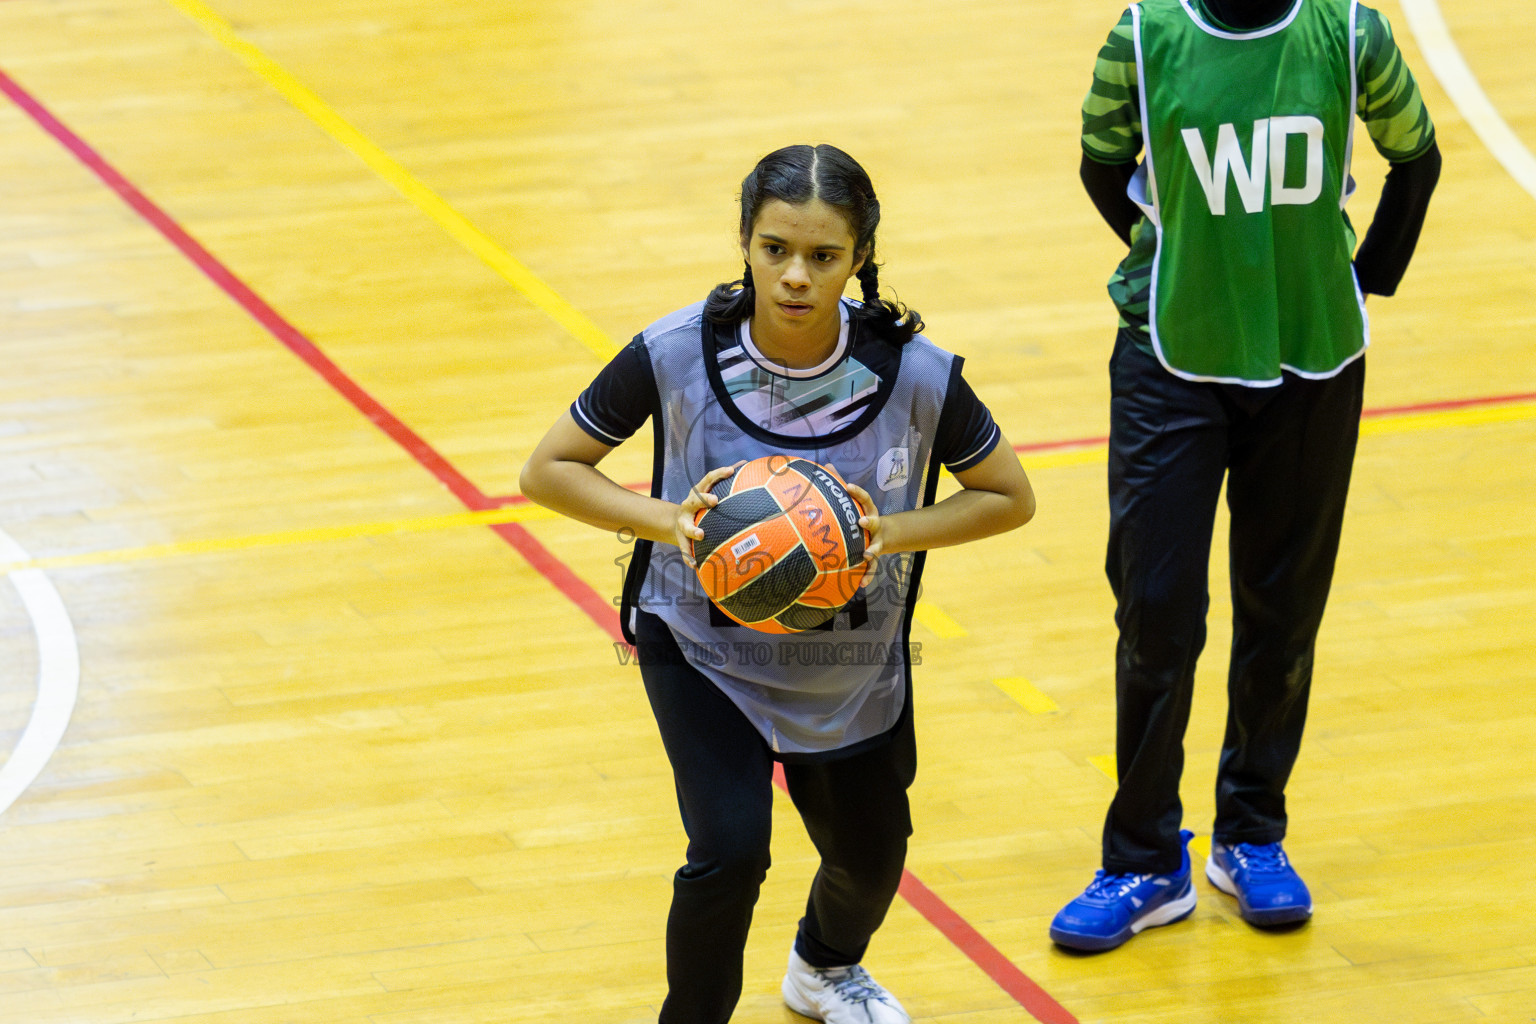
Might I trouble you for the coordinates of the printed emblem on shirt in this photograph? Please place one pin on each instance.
(894, 469)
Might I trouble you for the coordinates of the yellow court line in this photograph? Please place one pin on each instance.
(577, 324)
(486, 517)
(1072, 457)
(381, 163)
(935, 618)
(1028, 696)
(1406, 422)
(929, 615)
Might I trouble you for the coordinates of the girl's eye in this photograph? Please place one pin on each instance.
(773, 250)
(826, 257)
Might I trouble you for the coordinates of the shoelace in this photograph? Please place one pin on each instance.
(1268, 859)
(852, 984)
(1112, 887)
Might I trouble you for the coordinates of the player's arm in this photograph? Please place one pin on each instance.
(995, 497)
(1394, 114)
(1112, 131)
(1383, 257)
(562, 475)
(1106, 185)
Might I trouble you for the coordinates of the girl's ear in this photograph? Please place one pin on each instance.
(858, 264)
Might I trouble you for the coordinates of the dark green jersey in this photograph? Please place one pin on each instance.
(1386, 99)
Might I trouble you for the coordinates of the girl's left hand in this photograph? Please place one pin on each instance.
(870, 521)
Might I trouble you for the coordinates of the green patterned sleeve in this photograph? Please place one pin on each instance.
(1390, 103)
(1112, 109)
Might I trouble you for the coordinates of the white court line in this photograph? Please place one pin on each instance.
(1448, 65)
(58, 675)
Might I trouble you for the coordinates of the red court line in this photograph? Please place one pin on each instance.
(982, 953)
(580, 593)
(1035, 447)
(949, 923)
(1448, 405)
(972, 943)
(1059, 446)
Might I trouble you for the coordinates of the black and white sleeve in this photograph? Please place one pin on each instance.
(966, 433)
(620, 399)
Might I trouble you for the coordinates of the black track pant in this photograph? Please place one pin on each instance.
(855, 811)
(1287, 453)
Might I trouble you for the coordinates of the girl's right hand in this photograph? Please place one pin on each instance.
(699, 498)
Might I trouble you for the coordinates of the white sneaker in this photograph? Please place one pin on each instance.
(839, 995)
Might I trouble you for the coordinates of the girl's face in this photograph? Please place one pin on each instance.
(801, 255)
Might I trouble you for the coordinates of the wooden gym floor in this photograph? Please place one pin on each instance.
(306, 717)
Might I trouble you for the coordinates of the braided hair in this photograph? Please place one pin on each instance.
(798, 174)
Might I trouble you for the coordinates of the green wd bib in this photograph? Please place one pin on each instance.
(1248, 138)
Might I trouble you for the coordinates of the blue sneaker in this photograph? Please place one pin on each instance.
(1115, 907)
(1268, 890)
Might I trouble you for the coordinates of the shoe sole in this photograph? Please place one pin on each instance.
(1258, 918)
(1176, 909)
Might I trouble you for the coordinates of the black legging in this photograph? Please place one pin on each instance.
(1286, 452)
(855, 811)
